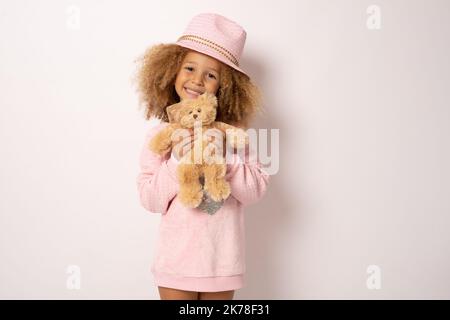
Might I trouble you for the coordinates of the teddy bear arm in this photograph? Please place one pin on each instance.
(162, 142)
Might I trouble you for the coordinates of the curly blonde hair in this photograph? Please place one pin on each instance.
(238, 98)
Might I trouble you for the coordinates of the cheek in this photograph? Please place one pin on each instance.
(180, 79)
(213, 87)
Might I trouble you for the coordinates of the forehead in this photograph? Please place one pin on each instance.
(202, 60)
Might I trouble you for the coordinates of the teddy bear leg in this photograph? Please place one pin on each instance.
(215, 184)
(191, 193)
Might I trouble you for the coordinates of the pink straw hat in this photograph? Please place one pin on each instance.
(215, 36)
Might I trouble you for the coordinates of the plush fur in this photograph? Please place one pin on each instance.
(199, 161)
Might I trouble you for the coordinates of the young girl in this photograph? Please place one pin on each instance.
(199, 255)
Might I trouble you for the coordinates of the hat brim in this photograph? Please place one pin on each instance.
(208, 51)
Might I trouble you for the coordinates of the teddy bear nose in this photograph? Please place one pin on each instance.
(195, 116)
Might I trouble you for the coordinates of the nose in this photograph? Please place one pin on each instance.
(197, 79)
(195, 116)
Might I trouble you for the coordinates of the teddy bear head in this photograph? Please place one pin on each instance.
(188, 111)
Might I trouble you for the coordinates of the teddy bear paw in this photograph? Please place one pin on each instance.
(190, 198)
(219, 191)
(160, 148)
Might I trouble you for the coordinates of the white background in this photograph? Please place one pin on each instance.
(364, 147)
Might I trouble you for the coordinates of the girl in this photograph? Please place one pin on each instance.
(198, 255)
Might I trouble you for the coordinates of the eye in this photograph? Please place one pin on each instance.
(189, 68)
(190, 112)
(198, 110)
(210, 75)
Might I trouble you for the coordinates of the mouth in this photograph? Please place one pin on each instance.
(192, 93)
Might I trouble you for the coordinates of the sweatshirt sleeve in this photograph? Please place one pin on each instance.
(156, 182)
(247, 178)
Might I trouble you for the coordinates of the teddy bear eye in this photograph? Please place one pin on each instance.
(199, 110)
(190, 112)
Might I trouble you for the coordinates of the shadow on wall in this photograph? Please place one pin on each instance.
(267, 220)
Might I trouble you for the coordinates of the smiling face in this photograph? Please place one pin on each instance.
(198, 74)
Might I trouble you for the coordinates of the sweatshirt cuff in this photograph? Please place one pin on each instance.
(173, 159)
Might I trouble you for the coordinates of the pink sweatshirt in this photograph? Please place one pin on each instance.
(196, 251)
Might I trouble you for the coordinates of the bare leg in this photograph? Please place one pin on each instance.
(221, 295)
(175, 294)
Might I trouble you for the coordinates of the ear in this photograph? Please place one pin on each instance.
(173, 112)
(209, 99)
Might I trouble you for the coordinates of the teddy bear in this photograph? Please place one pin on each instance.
(199, 165)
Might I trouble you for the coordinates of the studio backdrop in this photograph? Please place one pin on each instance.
(357, 113)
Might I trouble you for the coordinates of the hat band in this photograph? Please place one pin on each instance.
(227, 54)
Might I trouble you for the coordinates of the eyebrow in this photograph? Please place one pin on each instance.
(193, 62)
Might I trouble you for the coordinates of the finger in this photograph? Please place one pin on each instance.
(187, 139)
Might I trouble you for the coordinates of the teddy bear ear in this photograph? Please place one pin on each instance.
(173, 112)
(209, 98)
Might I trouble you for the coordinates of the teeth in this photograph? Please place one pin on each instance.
(192, 92)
